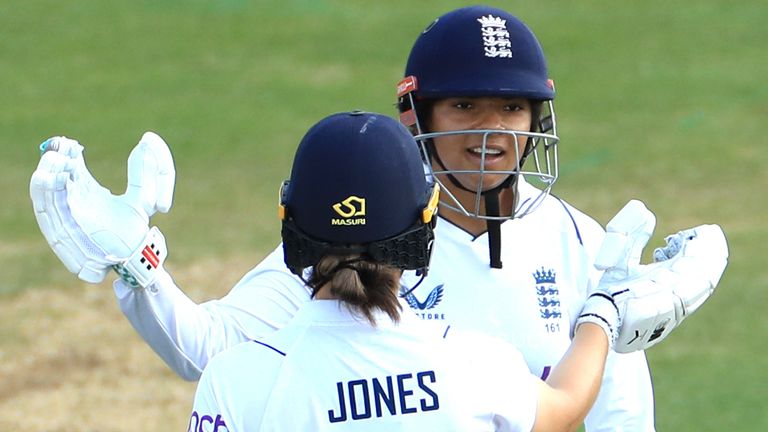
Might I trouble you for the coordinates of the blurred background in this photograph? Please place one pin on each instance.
(657, 100)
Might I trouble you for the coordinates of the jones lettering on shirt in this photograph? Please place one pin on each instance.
(392, 395)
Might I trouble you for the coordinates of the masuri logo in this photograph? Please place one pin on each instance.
(349, 208)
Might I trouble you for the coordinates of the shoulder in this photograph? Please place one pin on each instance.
(225, 391)
(557, 207)
(272, 274)
(485, 351)
(235, 372)
(256, 355)
(556, 212)
(273, 265)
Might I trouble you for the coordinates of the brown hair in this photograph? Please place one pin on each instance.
(362, 285)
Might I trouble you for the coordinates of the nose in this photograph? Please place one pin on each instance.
(495, 118)
(491, 118)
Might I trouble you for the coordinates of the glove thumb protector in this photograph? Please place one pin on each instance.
(151, 175)
(626, 236)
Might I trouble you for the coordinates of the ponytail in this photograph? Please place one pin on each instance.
(362, 285)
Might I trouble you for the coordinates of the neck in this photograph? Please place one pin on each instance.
(324, 293)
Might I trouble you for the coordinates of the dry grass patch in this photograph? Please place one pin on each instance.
(69, 360)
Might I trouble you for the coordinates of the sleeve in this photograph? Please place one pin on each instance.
(186, 335)
(515, 407)
(625, 401)
(501, 383)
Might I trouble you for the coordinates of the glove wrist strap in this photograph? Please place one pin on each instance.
(142, 267)
(600, 309)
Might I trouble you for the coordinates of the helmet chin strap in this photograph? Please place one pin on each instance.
(493, 209)
(494, 226)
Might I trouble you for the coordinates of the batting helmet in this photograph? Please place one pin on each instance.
(481, 51)
(358, 186)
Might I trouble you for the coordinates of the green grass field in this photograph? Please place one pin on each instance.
(657, 100)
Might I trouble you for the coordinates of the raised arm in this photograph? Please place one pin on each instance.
(186, 335)
(93, 231)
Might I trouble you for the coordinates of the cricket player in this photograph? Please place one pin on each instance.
(510, 260)
(355, 358)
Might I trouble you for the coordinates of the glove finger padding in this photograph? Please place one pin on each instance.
(663, 294)
(703, 258)
(48, 191)
(619, 257)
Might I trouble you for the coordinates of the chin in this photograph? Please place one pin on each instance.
(471, 182)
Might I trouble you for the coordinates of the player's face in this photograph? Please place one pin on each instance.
(463, 152)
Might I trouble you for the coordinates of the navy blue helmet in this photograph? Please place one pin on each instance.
(481, 51)
(358, 186)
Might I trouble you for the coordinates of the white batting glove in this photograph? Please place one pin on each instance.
(652, 300)
(91, 230)
(627, 233)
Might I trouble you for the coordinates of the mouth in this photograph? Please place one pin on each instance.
(492, 154)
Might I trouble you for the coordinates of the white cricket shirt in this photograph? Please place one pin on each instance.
(329, 371)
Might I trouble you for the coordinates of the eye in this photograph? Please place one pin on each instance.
(463, 105)
(514, 107)
(517, 104)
